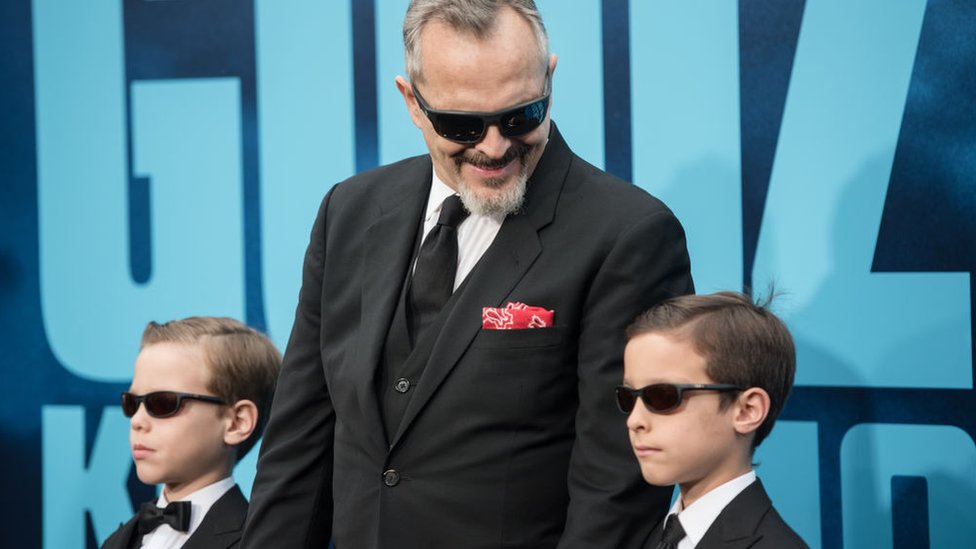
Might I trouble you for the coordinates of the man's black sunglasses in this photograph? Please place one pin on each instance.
(161, 403)
(470, 127)
(663, 397)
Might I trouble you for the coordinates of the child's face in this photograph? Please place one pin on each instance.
(186, 451)
(694, 445)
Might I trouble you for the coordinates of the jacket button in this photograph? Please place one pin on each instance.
(402, 385)
(391, 477)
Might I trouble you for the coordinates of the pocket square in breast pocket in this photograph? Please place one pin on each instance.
(516, 316)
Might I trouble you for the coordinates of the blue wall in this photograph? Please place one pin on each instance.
(165, 158)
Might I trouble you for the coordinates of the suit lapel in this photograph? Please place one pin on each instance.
(122, 538)
(389, 246)
(224, 524)
(508, 258)
(654, 537)
(736, 525)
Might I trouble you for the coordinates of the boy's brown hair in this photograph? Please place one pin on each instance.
(743, 344)
(243, 362)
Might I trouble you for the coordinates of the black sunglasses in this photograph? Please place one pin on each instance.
(470, 127)
(663, 397)
(161, 403)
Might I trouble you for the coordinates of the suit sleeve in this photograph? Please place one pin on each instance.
(610, 504)
(291, 501)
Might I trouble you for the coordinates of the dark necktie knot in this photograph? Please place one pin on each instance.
(673, 533)
(176, 515)
(452, 212)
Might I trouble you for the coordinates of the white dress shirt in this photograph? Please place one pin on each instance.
(699, 516)
(475, 233)
(165, 537)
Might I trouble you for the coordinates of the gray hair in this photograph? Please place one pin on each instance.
(474, 17)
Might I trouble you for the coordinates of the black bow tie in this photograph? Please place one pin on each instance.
(176, 515)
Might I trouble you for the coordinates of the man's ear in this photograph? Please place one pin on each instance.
(406, 90)
(552, 73)
(242, 420)
(751, 409)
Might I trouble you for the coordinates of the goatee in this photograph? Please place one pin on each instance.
(506, 196)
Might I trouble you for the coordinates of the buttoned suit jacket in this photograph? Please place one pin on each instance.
(749, 521)
(221, 528)
(511, 437)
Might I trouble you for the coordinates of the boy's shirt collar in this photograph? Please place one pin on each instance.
(201, 500)
(699, 516)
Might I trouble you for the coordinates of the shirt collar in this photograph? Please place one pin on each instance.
(438, 192)
(202, 500)
(698, 517)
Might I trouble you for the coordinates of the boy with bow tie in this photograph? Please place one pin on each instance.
(198, 401)
(704, 378)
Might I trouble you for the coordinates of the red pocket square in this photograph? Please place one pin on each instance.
(516, 316)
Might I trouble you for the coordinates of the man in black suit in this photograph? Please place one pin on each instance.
(705, 377)
(404, 417)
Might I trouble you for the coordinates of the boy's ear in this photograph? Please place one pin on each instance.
(751, 409)
(243, 418)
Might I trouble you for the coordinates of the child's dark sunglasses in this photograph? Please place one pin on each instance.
(470, 127)
(161, 403)
(663, 397)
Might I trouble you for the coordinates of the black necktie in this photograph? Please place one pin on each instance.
(176, 514)
(433, 277)
(673, 533)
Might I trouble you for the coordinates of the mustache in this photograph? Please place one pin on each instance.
(481, 160)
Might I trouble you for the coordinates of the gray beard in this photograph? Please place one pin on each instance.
(501, 203)
(496, 204)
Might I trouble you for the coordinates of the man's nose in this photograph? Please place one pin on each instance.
(493, 144)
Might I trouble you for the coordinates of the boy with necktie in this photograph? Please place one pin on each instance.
(704, 378)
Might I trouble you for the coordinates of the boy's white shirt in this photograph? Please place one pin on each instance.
(165, 537)
(700, 515)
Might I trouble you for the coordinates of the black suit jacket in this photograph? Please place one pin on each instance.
(220, 529)
(749, 521)
(510, 438)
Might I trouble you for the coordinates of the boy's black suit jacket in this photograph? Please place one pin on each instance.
(511, 438)
(220, 529)
(749, 521)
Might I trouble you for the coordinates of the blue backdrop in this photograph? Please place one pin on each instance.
(165, 158)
